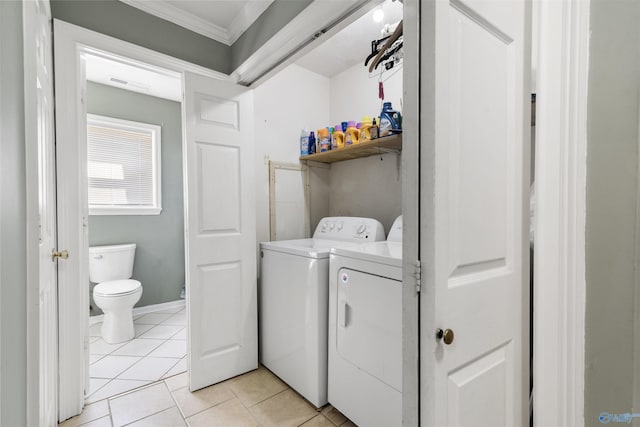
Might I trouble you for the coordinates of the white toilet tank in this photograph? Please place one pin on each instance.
(113, 262)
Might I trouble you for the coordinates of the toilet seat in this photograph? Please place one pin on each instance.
(117, 288)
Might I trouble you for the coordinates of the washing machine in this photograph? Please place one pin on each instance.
(293, 303)
(365, 331)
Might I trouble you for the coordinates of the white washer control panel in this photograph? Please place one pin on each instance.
(348, 228)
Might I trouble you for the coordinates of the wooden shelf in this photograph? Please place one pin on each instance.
(391, 143)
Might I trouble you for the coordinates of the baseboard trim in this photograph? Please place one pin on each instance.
(144, 310)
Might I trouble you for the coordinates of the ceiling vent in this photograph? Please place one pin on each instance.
(129, 83)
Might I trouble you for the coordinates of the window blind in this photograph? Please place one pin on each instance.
(121, 167)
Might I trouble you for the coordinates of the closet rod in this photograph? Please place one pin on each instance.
(358, 6)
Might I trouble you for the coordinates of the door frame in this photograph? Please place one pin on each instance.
(559, 255)
(71, 42)
(412, 387)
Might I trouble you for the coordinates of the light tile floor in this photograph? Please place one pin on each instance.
(255, 399)
(158, 351)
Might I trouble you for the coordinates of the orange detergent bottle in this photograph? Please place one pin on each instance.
(324, 139)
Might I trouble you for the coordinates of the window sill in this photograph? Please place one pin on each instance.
(124, 211)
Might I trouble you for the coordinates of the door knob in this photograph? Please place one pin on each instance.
(61, 254)
(446, 335)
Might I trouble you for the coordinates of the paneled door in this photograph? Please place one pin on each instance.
(475, 131)
(39, 116)
(221, 230)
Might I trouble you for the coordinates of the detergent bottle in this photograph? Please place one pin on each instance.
(365, 129)
(324, 140)
(304, 142)
(352, 134)
(338, 137)
(312, 143)
(390, 120)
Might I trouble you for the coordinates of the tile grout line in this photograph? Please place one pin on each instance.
(142, 357)
(110, 413)
(120, 372)
(175, 401)
(122, 393)
(167, 371)
(141, 361)
(98, 389)
(205, 409)
(266, 398)
(246, 408)
(175, 405)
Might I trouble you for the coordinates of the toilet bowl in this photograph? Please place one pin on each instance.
(111, 267)
(116, 299)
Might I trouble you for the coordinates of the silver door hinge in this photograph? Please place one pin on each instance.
(418, 276)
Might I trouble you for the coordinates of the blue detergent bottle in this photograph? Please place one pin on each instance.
(390, 120)
(312, 143)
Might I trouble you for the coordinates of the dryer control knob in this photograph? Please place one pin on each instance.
(331, 226)
(361, 229)
(340, 225)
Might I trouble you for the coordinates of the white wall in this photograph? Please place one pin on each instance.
(371, 186)
(291, 100)
(354, 94)
(297, 98)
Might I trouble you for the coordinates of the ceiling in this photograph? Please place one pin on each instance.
(345, 49)
(221, 20)
(351, 45)
(134, 77)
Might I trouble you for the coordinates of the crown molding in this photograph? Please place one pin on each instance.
(162, 9)
(247, 16)
(168, 12)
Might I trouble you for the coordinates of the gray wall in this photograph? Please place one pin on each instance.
(159, 261)
(13, 280)
(277, 15)
(127, 23)
(612, 173)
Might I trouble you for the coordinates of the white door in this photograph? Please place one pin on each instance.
(221, 230)
(40, 136)
(475, 130)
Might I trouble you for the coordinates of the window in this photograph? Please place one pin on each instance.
(123, 167)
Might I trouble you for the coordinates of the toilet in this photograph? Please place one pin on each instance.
(111, 267)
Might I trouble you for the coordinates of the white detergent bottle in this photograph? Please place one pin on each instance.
(304, 142)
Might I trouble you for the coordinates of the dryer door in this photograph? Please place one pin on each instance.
(369, 326)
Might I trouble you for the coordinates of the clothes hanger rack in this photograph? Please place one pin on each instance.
(388, 49)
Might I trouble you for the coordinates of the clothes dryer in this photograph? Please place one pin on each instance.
(294, 294)
(365, 331)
